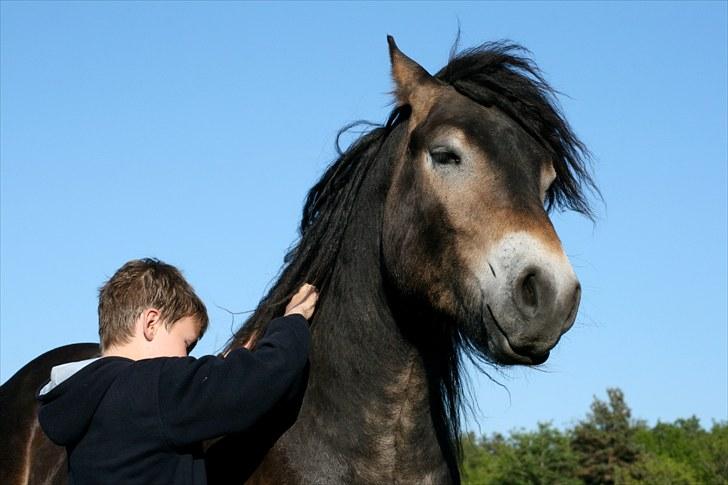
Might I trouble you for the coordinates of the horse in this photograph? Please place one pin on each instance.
(430, 241)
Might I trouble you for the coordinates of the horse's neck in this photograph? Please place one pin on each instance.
(360, 361)
(367, 404)
(366, 415)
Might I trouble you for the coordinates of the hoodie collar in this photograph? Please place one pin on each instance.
(62, 372)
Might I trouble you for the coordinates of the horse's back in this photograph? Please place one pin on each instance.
(27, 456)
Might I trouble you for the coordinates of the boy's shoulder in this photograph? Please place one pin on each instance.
(70, 398)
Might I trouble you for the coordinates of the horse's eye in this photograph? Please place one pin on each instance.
(444, 157)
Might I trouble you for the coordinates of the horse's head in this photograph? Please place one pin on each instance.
(466, 230)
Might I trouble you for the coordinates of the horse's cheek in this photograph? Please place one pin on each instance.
(416, 233)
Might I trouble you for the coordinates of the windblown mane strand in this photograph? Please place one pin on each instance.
(325, 216)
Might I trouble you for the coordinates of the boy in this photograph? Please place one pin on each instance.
(139, 413)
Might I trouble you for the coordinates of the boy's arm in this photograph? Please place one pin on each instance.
(240, 454)
(203, 398)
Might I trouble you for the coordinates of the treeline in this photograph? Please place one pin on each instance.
(606, 447)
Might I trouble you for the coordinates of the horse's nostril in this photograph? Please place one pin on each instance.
(534, 294)
(529, 291)
(576, 298)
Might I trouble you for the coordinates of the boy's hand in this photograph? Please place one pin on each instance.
(303, 302)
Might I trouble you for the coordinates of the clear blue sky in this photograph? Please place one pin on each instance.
(192, 132)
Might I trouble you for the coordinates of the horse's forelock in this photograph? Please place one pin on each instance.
(502, 74)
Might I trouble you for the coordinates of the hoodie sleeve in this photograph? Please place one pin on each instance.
(204, 398)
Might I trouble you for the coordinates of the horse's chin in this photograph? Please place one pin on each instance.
(502, 353)
(500, 350)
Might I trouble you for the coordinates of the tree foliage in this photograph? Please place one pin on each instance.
(606, 447)
(605, 441)
(541, 457)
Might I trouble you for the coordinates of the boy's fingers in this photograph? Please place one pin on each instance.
(305, 292)
(307, 288)
(304, 300)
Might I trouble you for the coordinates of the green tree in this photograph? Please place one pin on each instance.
(480, 459)
(656, 470)
(542, 457)
(718, 450)
(607, 447)
(716, 469)
(539, 458)
(685, 443)
(605, 441)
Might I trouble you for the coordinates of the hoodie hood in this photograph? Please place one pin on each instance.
(70, 398)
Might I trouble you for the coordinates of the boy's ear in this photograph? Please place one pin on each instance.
(150, 321)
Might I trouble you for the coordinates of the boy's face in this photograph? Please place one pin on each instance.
(178, 340)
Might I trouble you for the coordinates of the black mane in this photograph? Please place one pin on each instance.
(493, 74)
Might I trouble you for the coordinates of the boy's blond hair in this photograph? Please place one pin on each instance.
(141, 284)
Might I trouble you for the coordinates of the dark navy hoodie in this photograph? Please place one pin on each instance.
(142, 422)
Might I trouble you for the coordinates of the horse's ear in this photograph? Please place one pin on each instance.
(413, 84)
